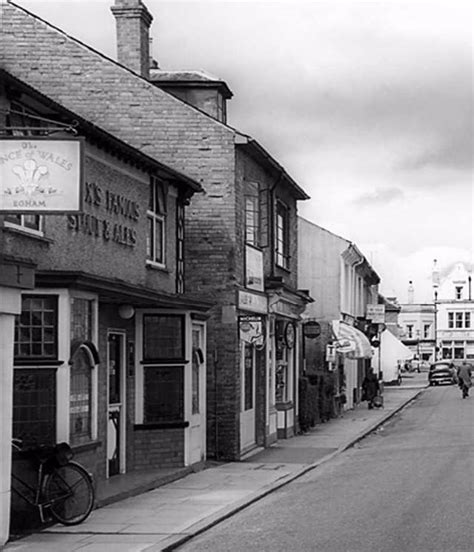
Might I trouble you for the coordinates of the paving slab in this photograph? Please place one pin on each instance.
(161, 519)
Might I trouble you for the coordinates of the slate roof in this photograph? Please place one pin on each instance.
(112, 96)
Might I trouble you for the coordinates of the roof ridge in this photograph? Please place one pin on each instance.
(111, 60)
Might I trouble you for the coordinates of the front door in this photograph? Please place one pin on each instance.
(116, 402)
(197, 426)
(247, 410)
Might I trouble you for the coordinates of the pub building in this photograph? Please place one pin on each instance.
(109, 352)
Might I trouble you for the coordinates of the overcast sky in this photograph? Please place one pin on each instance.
(368, 106)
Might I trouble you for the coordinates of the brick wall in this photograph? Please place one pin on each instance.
(157, 448)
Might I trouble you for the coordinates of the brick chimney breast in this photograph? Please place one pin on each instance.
(133, 22)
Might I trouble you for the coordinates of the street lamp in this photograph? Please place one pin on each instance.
(435, 282)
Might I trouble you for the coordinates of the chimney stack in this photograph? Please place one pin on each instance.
(133, 22)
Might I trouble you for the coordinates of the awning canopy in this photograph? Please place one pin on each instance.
(351, 341)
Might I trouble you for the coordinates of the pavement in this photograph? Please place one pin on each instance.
(163, 518)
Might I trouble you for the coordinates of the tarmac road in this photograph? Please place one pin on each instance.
(407, 487)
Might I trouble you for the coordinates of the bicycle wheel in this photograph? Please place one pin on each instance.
(69, 493)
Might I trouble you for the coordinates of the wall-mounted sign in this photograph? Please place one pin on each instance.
(246, 300)
(253, 268)
(376, 313)
(112, 216)
(311, 329)
(41, 175)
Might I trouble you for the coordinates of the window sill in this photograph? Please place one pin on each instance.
(85, 447)
(153, 266)
(164, 362)
(280, 267)
(24, 232)
(161, 425)
(33, 363)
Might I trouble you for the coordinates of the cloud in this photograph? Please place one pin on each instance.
(377, 197)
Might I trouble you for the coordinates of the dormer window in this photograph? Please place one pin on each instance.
(458, 292)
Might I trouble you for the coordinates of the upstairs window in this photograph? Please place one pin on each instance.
(282, 245)
(450, 319)
(156, 215)
(409, 331)
(30, 223)
(467, 319)
(458, 292)
(252, 220)
(426, 331)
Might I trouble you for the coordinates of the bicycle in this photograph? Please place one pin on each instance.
(63, 487)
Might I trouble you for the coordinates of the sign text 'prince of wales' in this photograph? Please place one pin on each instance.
(40, 175)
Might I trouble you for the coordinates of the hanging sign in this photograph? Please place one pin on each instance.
(251, 330)
(41, 175)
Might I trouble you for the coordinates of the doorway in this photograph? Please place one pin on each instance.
(116, 403)
(247, 410)
(197, 426)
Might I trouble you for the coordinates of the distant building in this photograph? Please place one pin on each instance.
(455, 314)
(342, 283)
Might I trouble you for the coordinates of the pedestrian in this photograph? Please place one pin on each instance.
(464, 378)
(370, 388)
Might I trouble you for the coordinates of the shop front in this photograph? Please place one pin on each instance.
(356, 351)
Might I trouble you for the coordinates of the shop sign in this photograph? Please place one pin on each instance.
(253, 268)
(252, 302)
(376, 313)
(251, 330)
(311, 329)
(114, 216)
(285, 308)
(41, 175)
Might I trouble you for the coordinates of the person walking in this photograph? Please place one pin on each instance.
(464, 379)
(370, 388)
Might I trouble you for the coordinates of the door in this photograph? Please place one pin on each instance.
(197, 432)
(247, 410)
(116, 404)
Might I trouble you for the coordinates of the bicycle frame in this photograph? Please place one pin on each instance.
(37, 492)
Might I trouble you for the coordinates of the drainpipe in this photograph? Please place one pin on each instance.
(469, 286)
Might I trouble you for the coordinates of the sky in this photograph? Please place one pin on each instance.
(367, 104)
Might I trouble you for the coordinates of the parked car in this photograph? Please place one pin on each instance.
(442, 373)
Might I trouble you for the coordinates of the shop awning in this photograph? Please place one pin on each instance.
(351, 341)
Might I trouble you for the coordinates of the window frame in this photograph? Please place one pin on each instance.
(142, 364)
(282, 235)
(156, 217)
(37, 359)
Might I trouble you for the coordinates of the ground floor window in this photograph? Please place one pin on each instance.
(453, 349)
(80, 412)
(163, 394)
(34, 405)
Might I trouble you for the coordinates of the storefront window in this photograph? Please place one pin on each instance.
(36, 328)
(163, 337)
(34, 405)
(163, 394)
(80, 397)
